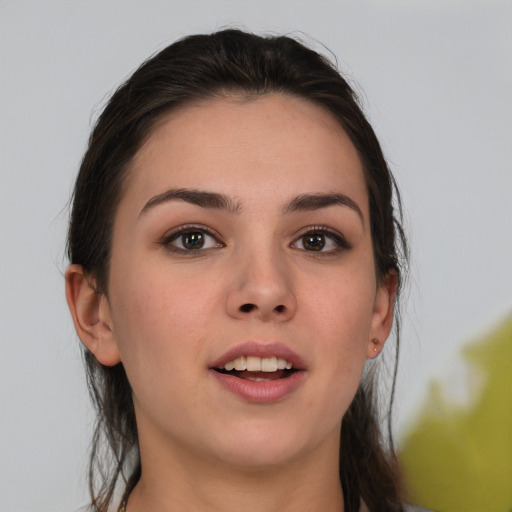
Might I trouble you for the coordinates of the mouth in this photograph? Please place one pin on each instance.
(260, 373)
(258, 369)
(259, 362)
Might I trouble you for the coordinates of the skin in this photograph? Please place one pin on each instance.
(170, 313)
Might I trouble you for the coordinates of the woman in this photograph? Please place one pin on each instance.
(235, 262)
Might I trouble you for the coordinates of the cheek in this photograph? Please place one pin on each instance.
(160, 338)
(160, 318)
(338, 322)
(339, 319)
(342, 307)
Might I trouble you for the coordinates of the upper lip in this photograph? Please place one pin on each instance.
(259, 349)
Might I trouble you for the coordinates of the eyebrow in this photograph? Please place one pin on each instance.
(309, 202)
(201, 198)
(216, 201)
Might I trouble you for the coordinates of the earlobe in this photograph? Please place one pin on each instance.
(91, 315)
(383, 310)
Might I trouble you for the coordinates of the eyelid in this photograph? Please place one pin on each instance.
(334, 234)
(175, 232)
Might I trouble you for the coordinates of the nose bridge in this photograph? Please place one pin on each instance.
(262, 282)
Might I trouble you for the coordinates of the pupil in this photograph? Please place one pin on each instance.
(193, 240)
(314, 242)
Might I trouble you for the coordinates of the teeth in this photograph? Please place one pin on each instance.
(253, 364)
(269, 364)
(240, 364)
(229, 366)
(258, 364)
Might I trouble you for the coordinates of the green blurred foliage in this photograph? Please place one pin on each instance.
(458, 458)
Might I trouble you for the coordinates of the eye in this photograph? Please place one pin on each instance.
(321, 240)
(190, 239)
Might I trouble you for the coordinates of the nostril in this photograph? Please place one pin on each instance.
(247, 308)
(280, 308)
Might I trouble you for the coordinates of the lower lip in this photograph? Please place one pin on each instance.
(261, 392)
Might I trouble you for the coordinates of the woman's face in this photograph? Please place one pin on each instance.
(243, 238)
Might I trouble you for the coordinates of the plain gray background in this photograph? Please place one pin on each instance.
(437, 82)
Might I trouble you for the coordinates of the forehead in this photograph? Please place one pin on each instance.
(278, 145)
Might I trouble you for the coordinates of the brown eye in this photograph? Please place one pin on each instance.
(313, 241)
(192, 240)
(321, 240)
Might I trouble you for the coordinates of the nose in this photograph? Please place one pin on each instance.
(261, 288)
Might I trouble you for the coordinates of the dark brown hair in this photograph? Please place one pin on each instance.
(202, 67)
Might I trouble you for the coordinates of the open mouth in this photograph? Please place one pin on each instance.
(267, 378)
(258, 369)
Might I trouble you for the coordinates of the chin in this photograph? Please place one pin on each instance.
(259, 447)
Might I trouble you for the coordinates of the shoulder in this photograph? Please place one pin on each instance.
(407, 507)
(415, 508)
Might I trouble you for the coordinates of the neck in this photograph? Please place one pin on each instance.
(184, 482)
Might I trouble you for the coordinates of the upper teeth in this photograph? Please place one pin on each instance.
(258, 364)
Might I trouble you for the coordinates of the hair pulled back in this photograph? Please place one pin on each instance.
(196, 68)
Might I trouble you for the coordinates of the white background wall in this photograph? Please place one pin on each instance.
(437, 78)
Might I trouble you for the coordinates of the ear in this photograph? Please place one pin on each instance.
(382, 318)
(91, 315)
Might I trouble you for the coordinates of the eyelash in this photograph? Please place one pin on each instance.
(180, 231)
(337, 238)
